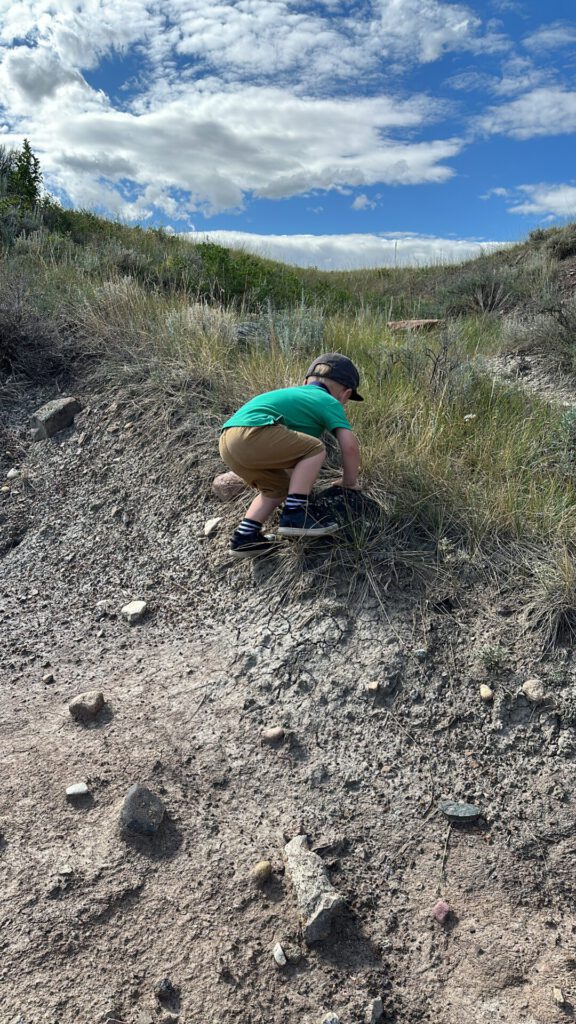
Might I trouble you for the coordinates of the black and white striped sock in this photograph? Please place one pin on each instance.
(248, 528)
(294, 502)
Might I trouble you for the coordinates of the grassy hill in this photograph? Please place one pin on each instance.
(464, 461)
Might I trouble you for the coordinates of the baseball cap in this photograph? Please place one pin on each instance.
(342, 370)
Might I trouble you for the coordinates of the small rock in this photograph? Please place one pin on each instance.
(375, 1011)
(211, 526)
(273, 736)
(12, 474)
(48, 678)
(372, 688)
(486, 693)
(102, 608)
(228, 486)
(279, 955)
(76, 791)
(534, 690)
(261, 872)
(134, 611)
(459, 812)
(53, 417)
(86, 706)
(441, 911)
(330, 1018)
(142, 811)
(558, 996)
(5, 489)
(421, 653)
(469, 417)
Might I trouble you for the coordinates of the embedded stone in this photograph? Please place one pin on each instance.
(318, 900)
(261, 872)
(486, 693)
(142, 811)
(534, 691)
(134, 611)
(53, 417)
(375, 1012)
(441, 911)
(76, 791)
(279, 955)
(211, 526)
(85, 706)
(273, 736)
(459, 812)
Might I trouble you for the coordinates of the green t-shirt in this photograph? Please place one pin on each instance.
(308, 409)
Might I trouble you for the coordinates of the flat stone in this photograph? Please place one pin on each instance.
(486, 693)
(12, 474)
(318, 900)
(330, 1018)
(228, 486)
(534, 691)
(273, 735)
(48, 678)
(559, 998)
(86, 706)
(76, 791)
(261, 872)
(414, 325)
(372, 688)
(142, 811)
(211, 526)
(53, 417)
(134, 611)
(375, 1011)
(458, 811)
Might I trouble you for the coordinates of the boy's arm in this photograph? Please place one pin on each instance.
(350, 452)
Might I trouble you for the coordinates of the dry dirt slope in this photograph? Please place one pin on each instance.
(91, 923)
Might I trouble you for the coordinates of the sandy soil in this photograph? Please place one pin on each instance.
(92, 922)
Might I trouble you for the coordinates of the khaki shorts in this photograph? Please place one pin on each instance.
(263, 456)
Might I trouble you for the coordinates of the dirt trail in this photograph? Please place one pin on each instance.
(91, 923)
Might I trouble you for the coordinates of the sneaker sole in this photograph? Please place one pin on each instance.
(254, 553)
(319, 531)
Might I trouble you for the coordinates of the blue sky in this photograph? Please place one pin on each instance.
(335, 133)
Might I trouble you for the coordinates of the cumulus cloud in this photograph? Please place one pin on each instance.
(351, 252)
(220, 148)
(547, 200)
(544, 111)
(362, 202)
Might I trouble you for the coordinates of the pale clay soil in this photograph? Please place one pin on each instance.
(91, 923)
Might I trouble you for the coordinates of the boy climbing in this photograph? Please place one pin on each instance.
(273, 443)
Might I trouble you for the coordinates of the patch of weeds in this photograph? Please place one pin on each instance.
(493, 657)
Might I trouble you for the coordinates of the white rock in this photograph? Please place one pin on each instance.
(375, 1012)
(76, 790)
(211, 526)
(558, 996)
(279, 955)
(12, 474)
(318, 900)
(134, 611)
(486, 692)
(273, 735)
(330, 1018)
(534, 690)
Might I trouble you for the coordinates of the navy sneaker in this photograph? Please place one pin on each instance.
(250, 546)
(303, 523)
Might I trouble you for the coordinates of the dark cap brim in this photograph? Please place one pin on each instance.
(355, 397)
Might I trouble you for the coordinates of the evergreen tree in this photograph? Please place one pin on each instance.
(25, 179)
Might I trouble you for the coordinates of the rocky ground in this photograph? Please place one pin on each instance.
(100, 924)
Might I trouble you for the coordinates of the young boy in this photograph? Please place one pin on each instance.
(273, 443)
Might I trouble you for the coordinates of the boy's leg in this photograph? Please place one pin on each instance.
(298, 519)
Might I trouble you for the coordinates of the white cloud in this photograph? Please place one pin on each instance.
(547, 200)
(552, 37)
(544, 111)
(221, 147)
(362, 202)
(350, 252)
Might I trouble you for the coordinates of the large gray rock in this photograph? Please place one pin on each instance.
(142, 811)
(318, 900)
(54, 416)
